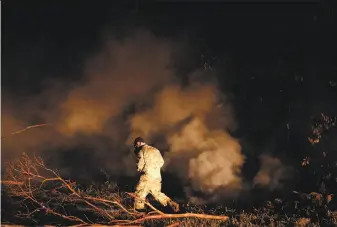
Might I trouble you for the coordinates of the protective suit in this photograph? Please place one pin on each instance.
(149, 164)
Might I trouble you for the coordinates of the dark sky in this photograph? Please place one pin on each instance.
(292, 33)
(281, 58)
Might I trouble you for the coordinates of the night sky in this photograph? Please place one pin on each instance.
(276, 62)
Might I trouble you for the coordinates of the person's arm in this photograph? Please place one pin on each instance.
(141, 161)
(160, 160)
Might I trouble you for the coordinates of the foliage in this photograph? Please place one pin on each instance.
(41, 191)
(41, 196)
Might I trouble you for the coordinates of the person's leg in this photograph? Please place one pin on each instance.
(155, 187)
(142, 190)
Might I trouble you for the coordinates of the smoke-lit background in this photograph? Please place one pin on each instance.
(226, 92)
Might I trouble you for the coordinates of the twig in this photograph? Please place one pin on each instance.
(147, 203)
(9, 182)
(29, 127)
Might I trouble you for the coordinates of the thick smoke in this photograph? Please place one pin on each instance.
(121, 74)
(201, 150)
(90, 113)
(129, 89)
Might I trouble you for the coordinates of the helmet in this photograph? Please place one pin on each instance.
(138, 139)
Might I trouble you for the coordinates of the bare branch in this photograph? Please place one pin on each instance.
(25, 129)
(48, 192)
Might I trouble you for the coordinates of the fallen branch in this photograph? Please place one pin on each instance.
(49, 191)
(175, 216)
(27, 128)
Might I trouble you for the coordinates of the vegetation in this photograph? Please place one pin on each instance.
(39, 195)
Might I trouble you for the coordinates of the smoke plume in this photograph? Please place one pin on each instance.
(122, 73)
(128, 89)
(201, 150)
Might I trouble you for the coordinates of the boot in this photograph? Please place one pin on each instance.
(173, 205)
(140, 210)
(139, 207)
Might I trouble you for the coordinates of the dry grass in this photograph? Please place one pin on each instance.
(40, 192)
(44, 197)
